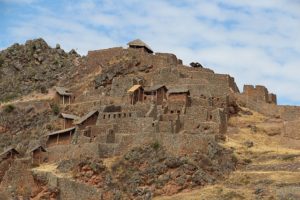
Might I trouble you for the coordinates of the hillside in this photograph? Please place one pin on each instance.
(268, 164)
(128, 123)
(33, 66)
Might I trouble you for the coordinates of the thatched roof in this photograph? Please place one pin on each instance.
(178, 90)
(154, 88)
(10, 149)
(85, 117)
(133, 88)
(68, 116)
(139, 43)
(63, 91)
(61, 131)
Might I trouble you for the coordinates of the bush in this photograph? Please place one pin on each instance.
(155, 145)
(55, 109)
(247, 161)
(44, 90)
(9, 108)
(8, 97)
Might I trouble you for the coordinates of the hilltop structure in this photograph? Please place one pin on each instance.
(133, 97)
(148, 97)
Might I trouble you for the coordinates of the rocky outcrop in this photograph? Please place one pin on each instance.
(33, 66)
(121, 67)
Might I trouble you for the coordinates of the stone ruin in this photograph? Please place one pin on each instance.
(143, 97)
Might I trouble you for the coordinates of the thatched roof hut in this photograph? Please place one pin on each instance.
(136, 44)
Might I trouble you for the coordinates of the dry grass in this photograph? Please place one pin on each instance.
(108, 162)
(52, 168)
(34, 96)
(268, 151)
(215, 192)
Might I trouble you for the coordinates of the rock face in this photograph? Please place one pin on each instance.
(120, 68)
(148, 171)
(22, 123)
(32, 67)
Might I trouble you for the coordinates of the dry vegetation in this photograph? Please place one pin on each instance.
(268, 170)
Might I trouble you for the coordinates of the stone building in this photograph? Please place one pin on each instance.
(140, 45)
(9, 153)
(179, 100)
(156, 93)
(61, 137)
(135, 94)
(36, 154)
(63, 96)
(68, 120)
(259, 93)
(179, 95)
(86, 122)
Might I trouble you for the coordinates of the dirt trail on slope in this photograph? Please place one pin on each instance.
(31, 97)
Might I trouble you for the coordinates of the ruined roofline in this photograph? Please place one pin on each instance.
(178, 91)
(69, 116)
(61, 131)
(63, 91)
(87, 116)
(154, 88)
(37, 147)
(8, 150)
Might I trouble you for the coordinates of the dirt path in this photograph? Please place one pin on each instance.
(32, 97)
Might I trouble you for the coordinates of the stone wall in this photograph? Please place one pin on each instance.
(68, 187)
(259, 93)
(289, 113)
(198, 112)
(19, 179)
(219, 116)
(291, 129)
(272, 98)
(201, 101)
(99, 58)
(177, 144)
(220, 101)
(258, 106)
(63, 152)
(92, 120)
(59, 139)
(121, 84)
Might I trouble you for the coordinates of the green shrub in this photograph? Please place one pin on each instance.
(44, 90)
(8, 97)
(155, 145)
(55, 109)
(247, 161)
(9, 108)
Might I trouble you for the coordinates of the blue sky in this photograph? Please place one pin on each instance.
(256, 41)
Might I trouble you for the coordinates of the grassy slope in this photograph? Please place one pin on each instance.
(274, 171)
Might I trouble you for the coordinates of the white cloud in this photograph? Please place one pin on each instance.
(257, 42)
